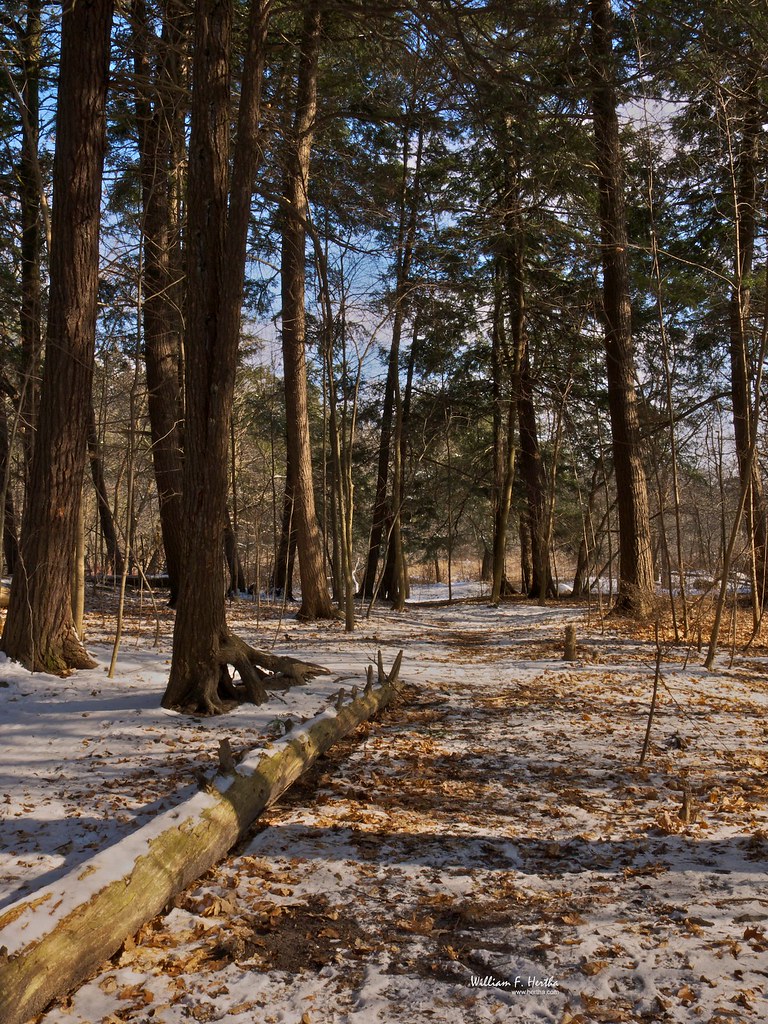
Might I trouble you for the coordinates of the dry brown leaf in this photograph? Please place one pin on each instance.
(569, 1017)
(605, 1012)
(593, 967)
(757, 938)
(686, 995)
(136, 993)
(744, 998)
(571, 919)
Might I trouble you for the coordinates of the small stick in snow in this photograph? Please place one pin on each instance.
(656, 677)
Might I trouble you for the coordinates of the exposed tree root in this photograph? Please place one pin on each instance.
(260, 671)
(215, 688)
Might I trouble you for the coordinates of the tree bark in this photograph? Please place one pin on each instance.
(108, 530)
(217, 228)
(745, 203)
(31, 233)
(636, 580)
(526, 554)
(384, 513)
(10, 545)
(232, 556)
(176, 850)
(532, 475)
(39, 629)
(531, 465)
(162, 271)
(315, 599)
(504, 453)
(281, 580)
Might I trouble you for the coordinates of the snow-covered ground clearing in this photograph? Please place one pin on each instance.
(489, 851)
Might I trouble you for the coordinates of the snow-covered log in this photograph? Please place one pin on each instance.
(55, 938)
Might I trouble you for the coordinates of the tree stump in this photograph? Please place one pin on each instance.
(569, 653)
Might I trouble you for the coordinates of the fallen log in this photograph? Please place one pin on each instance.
(54, 939)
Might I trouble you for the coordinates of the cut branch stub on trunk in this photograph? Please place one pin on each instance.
(55, 938)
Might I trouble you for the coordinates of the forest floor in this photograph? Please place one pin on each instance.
(489, 849)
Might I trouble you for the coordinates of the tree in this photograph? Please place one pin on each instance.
(636, 580)
(217, 229)
(744, 164)
(39, 629)
(32, 196)
(386, 516)
(160, 101)
(106, 518)
(315, 599)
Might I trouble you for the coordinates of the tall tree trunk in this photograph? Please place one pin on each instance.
(31, 234)
(382, 512)
(581, 574)
(217, 228)
(315, 599)
(745, 189)
(533, 476)
(394, 577)
(636, 583)
(10, 543)
(281, 580)
(161, 308)
(526, 555)
(341, 493)
(531, 465)
(108, 530)
(504, 454)
(78, 575)
(39, 629)
(232, 556)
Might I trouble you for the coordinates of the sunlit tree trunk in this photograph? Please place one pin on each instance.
(106, 519)
(10, 543)
(745, 188)
(39, 629)
(31, 186)
(636, 582)
(315, 599)
(217, 227)
(383, 520)
(281, 580)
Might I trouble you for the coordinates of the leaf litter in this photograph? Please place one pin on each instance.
(488, 850)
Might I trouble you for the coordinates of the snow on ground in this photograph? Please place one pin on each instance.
(489, 850)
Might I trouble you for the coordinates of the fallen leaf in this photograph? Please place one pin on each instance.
(593, 967)
(686, 995)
